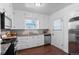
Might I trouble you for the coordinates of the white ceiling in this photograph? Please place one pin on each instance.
(47, 9)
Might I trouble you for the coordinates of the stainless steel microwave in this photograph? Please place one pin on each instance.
(6, 22)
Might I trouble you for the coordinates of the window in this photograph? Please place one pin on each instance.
(57, 25)
(31, 24)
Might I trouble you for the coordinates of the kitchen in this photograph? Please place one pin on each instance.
(31, 29)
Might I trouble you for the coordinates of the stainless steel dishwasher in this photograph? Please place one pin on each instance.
(47, 39)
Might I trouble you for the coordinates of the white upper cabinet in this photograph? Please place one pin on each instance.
(20, 17)
(7, 8)
(1, 7)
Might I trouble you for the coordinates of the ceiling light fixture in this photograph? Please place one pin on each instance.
(32, 5)
(38, 4)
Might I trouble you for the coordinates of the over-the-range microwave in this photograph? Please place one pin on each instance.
(6, 22)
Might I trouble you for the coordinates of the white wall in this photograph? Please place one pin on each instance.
(60, 38)
(23, 15)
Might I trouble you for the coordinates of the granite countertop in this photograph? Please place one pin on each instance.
(33, 34)
(4, 48)
(30, 34)
(12, 37)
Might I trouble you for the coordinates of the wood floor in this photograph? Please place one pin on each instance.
(73, 48)
(42, 50)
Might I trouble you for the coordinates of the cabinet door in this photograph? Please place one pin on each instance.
(8, 9)
(22, 43)
(31, 42)
(1, 7)
(40, 40)
(18, 22)
(35, 41)
(7, 24)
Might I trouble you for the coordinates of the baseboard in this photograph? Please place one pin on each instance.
(60, 49)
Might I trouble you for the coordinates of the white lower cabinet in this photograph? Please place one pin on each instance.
(21, 43)
(29, 41)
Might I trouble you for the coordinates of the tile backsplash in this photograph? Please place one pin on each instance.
(31, 31)
(20, 32)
